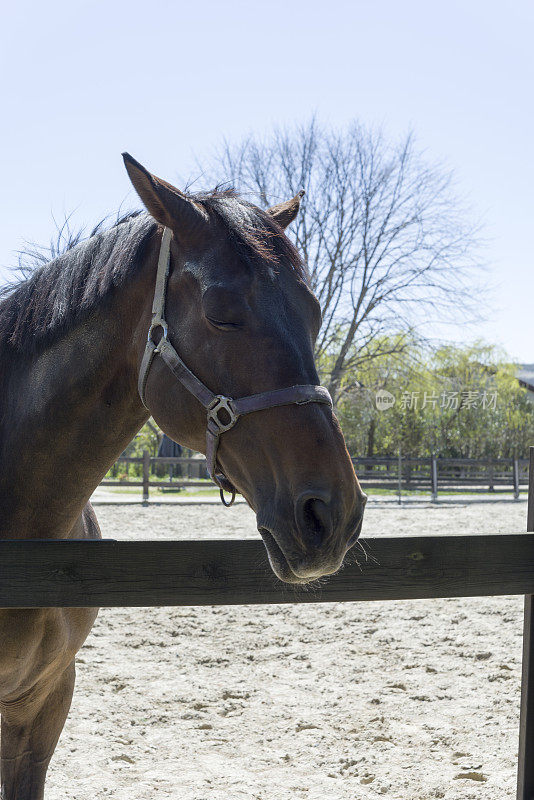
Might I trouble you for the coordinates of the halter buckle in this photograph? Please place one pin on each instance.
(225, 404)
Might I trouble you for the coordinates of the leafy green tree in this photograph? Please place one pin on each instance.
(458, 402)
(148, 438)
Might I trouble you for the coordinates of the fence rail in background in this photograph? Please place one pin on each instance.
(390, 472)
(181, 473)
(434, 474)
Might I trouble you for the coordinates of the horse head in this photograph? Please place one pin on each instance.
(240, 313)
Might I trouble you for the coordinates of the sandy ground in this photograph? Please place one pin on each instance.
(407, 700)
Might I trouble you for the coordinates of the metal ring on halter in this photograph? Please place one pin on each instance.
(222, 403)
(154, 325)
(223, 501)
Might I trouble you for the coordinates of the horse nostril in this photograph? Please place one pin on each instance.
(314, 518)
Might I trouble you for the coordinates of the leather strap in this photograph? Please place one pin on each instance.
(184, 374)
(222, 412)
(164, 260)
(158, 311)
(148, 355)
(299, 394)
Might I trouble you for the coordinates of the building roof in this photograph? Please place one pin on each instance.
(525, 376)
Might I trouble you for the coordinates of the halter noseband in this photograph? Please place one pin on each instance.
(222, 412)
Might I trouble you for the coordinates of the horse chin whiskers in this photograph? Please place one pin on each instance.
(310, 586)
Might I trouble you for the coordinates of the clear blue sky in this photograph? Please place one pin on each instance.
(83, 81)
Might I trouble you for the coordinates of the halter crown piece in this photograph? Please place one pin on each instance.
(222, 412)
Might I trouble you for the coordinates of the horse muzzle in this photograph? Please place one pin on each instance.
(315, 545)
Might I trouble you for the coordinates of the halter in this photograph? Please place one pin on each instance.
(222, 412)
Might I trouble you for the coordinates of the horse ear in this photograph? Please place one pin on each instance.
(164, 202)
(285, 213)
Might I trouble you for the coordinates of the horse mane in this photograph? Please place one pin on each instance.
(58, 294)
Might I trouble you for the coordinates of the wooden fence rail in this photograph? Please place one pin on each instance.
(399, 474)
(34, 574)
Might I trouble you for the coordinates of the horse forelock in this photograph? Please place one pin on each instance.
(254, 233)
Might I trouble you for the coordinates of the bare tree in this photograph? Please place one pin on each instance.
(386, 243)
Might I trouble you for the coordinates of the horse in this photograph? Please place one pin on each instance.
(87, 354)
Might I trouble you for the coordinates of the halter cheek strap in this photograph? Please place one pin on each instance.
(222, 412)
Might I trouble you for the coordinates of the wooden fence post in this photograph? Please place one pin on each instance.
(434, 478)
(146, 476)
(400, 476)
(516, 478)
(525, 772)
(491, 486)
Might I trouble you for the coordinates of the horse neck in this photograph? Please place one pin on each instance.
(70, 412)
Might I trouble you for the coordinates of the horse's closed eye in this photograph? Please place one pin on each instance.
(223, 326)
(223, 308)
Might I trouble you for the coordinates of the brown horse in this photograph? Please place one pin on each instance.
(240, 313)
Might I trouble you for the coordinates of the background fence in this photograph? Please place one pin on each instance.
(398, 473)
